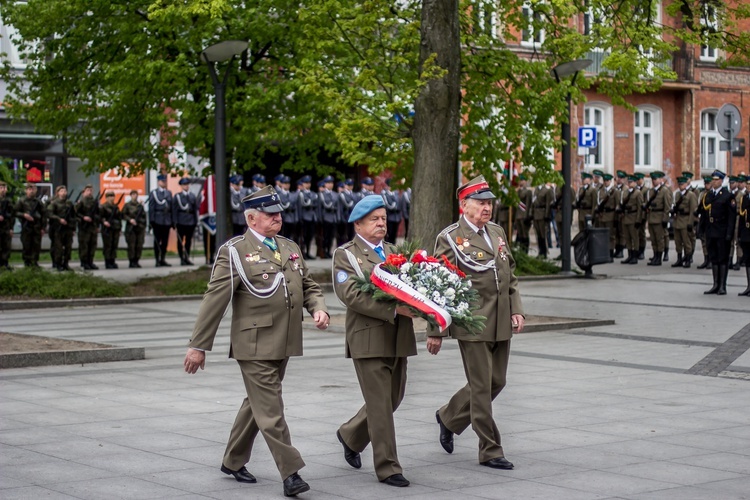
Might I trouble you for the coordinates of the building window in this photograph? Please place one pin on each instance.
(530, 35)
(647, 138)
(485, 19)
(711, 157)
(710, 22)
(599, 116)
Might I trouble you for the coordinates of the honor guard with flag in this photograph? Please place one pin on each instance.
(264, 278)
(480, 249)
(379, 338)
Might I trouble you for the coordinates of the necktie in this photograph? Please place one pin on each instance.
(270, 244)
(380, 252)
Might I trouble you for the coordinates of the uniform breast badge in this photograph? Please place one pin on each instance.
(277, 255)
(501, 248)
(252, 257)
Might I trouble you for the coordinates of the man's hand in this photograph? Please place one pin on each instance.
(87, 218)
(321, 319)
(404, 311)
(517, 321)
(434, 344)
(28, 217)
(106, 223)
(63, 222)
(194, 359)
(133, 222)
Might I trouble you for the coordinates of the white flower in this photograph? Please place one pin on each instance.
(450, 293)
(422, 290)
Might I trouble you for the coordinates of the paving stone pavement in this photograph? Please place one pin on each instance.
(656, 406)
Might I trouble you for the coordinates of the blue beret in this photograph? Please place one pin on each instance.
(305, 178)
(265, 199)
(365, 206)
(718, 174)
(184, 181)
(161, 177)
(349, 182)
(368, 181)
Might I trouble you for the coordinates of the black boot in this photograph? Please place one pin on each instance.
(132, 263)
(641, 253)
(736, 265)
(706, 262)
(679, 260)
(137, 264)
(715, 288)
(723, 272)
(656, 261)
(618, 252)
(666, 255)
(688, 261)
(114, 264)
(92, 265)
(630, 258)
(746, 293)
(633, 257)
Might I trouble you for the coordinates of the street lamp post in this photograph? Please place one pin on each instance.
(561, 71)
(219, 52)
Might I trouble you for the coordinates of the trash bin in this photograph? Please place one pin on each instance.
(598, 245)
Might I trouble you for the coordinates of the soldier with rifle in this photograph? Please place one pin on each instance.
(630, 206)
(686, 203)
(6, 226)
(585, 200)
(111, 226)
(185, 218)
(134, 217)
(33, 217)
(658, 204)
(606, 203)
(87, 213)
(62, 226)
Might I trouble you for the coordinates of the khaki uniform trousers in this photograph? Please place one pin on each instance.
(486, 366)
(683, 241)
(383, 383)
(657, 236)
(262, 410)
(630, 234)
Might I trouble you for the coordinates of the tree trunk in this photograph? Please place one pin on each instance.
(437, 125)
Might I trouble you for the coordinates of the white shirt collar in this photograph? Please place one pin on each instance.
(257, 234)
(379, 245)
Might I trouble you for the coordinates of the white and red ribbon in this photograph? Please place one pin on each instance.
(392, 284)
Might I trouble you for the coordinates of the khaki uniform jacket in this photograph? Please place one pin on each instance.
(373, 330)
(498, 292)
(661, 204)
(684, 210)
(541, 205)
(632, 204)
(606, 203)
(262, 328)
(59, 209)
(585, 202)
(524, 197)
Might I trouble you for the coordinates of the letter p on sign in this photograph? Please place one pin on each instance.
(586, 137)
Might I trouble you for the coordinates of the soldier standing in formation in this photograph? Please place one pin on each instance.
(522, 217)
(62, 223)
(308, 210)
(718, 212)
(7, 217)
(735, 248)
(406, 196)
(631, 204)
(607, 201)
(33, 217)
(160, 218)
(743, 228)
(290, 215)
(111, 219)
(185, 218)
(346, 204)
(694, 219)
(328, 216)
(685, 205)
(236, 194)
(621, 185)
(585, 201)
(658, 204)
(644, 222)
(87, 213)
(135, 228)
(393, 209)
(541, 212)
(701, 227)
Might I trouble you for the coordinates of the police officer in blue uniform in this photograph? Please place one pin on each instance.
(329, 215)
(185, 216)
(235, 198)
(308, 214)
(160, 219)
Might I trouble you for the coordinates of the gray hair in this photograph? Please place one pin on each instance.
(251, 211)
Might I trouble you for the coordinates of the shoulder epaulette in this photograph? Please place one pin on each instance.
(233, 241)
(448, 229)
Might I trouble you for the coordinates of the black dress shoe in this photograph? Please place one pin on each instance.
(294, 485)
(446, 436)
(396, 480)
(242, 475)
(165, 263)
(351, 456)
(498, 463)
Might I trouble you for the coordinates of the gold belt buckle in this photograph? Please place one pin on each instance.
(710, 219)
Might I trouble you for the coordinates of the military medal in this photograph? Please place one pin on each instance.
(265, 276)
(296, 266)
(459, 240)
(359, 261)
(277, 255)
(480, 255)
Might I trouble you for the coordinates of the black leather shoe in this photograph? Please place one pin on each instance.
(498, 463)
(294, 485)
(164, 263)
(396, 480)
(446, 436)
(351, 456)
(242, 475)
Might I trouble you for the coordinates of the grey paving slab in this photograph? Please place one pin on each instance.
(118, 487)
(33, 492)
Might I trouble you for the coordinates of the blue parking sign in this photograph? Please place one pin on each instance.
(586, 137)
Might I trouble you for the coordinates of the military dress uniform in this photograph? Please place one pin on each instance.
(607, 201)
(379, 342)
(88, 206)
(31, 230)
(7, 217)
(393, 211)
(485, 256)
(134, 218)
(701, 225)
(718, 212)
(501, 215)
(685, 205)
(346, 204)
(62, 240)
(185, 216)
(541, 212)
(268, 289)
(238, 213)
(329, 218)
(289, 216)
(110, 213)
(308, 209)
(523, 218)
(160, 219)
(585, 203)
(631, 203)
(743, 233)
(658, 204)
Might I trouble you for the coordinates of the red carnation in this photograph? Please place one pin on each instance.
(396, 260)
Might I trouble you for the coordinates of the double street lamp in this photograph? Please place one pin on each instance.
(560, 71)
(216, 53)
